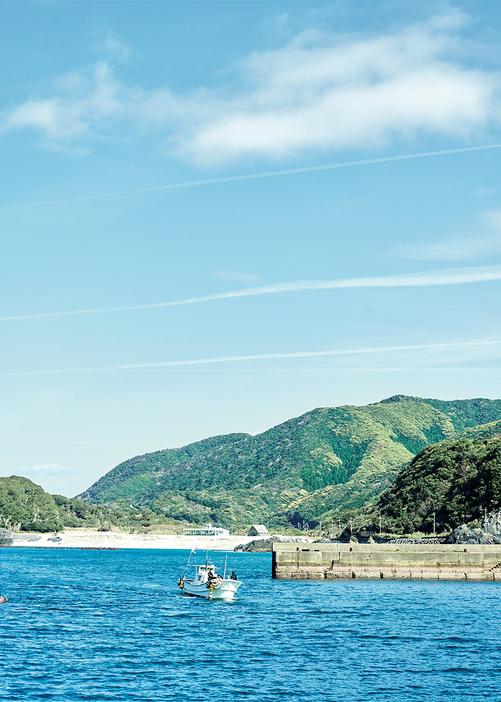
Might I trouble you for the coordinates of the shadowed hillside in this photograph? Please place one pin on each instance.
(458, 481)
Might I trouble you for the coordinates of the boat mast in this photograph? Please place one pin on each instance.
(225, 561)
(193, 550)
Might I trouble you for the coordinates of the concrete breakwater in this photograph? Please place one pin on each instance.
(336, 561)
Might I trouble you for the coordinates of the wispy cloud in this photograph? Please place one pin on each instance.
(448, 276)
(44, 469)
(113, 46)
(51, 476)
(487, 242)
(453, 250)
(85, 99)
(319, 93)
(238, 276)
(478, 344)
(251, 176)
(483, 192)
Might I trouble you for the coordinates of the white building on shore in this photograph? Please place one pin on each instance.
(207, 530)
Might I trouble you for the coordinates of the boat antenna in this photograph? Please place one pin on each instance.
(206, 557)
(225, 561)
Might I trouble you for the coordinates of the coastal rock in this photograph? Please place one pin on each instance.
(6, 538)
(266, 545)
(464, 535)
(492, 523)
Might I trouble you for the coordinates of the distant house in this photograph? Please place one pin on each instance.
(258, 530)
(207, 530)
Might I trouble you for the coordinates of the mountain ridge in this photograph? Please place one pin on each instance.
(327, 460)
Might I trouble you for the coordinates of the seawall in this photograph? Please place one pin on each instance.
(386, 561)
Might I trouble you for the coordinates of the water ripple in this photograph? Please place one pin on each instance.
(111, 626)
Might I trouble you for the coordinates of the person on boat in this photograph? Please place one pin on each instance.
(3, 599)
(233, 575)
(213, 577)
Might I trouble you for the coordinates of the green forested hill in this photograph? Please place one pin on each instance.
(25, 506)
(306, 469)
(457, 480)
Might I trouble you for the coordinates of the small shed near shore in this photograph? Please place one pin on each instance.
(258, 530)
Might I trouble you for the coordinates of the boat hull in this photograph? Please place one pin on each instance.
(225, 590)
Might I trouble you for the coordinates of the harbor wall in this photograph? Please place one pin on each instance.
(335, 561)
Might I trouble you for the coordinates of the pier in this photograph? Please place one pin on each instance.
(336, 561)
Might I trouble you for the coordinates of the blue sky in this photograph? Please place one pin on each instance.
(130, 135)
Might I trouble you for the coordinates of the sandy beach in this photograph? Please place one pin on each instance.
(99, 539)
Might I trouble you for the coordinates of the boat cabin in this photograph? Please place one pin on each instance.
(202, 574)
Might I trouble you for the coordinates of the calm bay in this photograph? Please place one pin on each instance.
(111, 625)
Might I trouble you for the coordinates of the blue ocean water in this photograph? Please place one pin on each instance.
(111, 625)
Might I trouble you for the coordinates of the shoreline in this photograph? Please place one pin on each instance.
(111, 540)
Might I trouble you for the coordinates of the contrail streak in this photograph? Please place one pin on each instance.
(250, 176)
(255, 357)
(448, 276)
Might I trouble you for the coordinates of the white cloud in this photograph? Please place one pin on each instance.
(320, 92)
(85, 102)
(485, 243)
(237, 276)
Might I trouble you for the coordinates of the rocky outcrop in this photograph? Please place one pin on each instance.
(266, 545)
(464, 535)
(6, 538)
(492, 523)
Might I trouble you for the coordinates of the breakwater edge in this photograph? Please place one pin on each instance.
(338, 561)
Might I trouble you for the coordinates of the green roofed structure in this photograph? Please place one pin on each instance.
(207, 530)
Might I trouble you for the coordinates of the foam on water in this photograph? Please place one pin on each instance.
(111, 625)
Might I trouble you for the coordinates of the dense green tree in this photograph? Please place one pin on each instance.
(25, 506)
(454, 481)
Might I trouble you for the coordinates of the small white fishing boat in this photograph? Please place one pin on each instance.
(208, 584)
